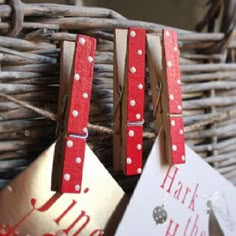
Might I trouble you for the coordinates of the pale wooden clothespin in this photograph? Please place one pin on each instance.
(163, 59)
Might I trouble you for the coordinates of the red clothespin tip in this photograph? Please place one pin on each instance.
(173, 120)
(70, 149)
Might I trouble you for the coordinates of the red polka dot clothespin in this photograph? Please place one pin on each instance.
(130, 112)
(164, 68)
(70, 148)
(174, 122)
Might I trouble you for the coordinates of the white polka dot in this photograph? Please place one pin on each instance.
(85, 130)
(77, 77)
(171, 97)
(69, 143)
(139, 170)
(174, 147)
(90, 59)
(183, 158)
(129, 160)
(66, 177)
(78, 160)
(139, 147)
(85, 95)
(132, 103)
(77, 187)
(172, 123)
(82, 41)
(179, 107)
(178, 81)
(175, 49)
(75, 113)
(138, 116)
(132, 33)
(167, 33)
(140, 86)
(169, 64)
(140, 52)
(181, 132)
(133, 70)
(131, 133)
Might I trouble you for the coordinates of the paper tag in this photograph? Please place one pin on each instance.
(29, 207)
(191, 200)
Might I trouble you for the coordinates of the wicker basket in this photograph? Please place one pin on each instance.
(29, 85)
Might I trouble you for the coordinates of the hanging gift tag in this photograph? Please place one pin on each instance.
(131, 98)
(70, 148)
(166, 92)
(171, 200)
(29, 207)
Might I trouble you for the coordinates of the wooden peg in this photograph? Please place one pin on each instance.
(163, 59)
(154, 55)
(132, 100)
(70, 148)
(172, 98)
(120, 51)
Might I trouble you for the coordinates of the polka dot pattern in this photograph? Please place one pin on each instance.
(172, 72)
(78, 112)
(177, 144)
(135, 108)
(174, 97)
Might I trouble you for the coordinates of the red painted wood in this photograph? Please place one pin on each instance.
(81, 89)
(136, 80)
(135, 99)
(134, 150)
(171, 53)
(73, 165)
(177, 139)
(174, 96)
(79, 105)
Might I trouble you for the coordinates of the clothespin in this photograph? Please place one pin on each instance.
(74, 102)
(129, 99)
(167, 95)
(120, 51)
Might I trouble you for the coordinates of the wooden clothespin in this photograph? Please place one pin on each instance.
(129, 99)
(165, 76)
(74, 104)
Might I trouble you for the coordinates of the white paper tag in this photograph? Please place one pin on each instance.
(186, 200)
